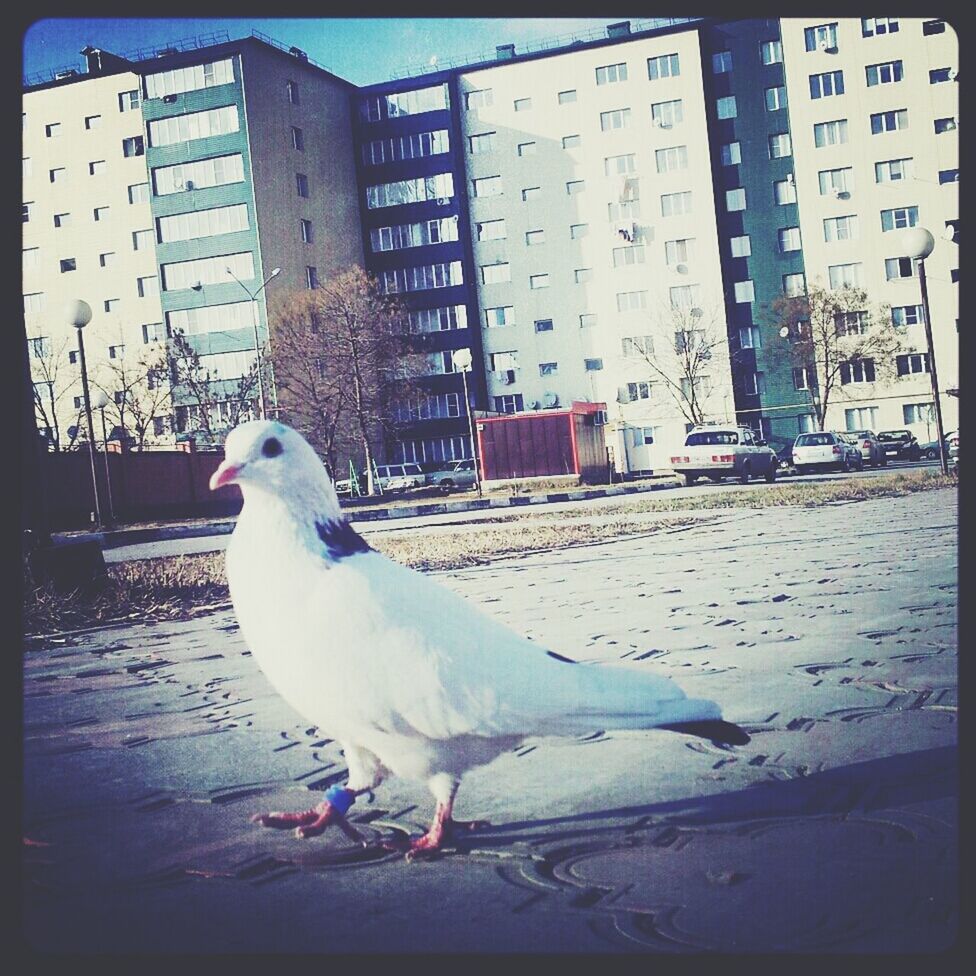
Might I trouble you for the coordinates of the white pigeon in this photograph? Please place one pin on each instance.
(407, 676)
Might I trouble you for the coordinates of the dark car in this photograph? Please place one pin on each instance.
(930, 451)
(900, 444)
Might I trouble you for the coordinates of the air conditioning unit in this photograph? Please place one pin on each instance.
(836, 192)
(789, 178)
(169, 99)
(443, 200)
(824, 45)
(536, 405)
(695, 313)
(551, 400)
(660, 124)
(681, 268)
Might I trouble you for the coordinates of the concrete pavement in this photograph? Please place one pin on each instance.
(829, 633)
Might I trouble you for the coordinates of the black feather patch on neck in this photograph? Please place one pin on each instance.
(341, 539)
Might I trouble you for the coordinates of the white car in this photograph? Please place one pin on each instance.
(460, 475)
(401, 477)
(825, 449)
(718, 452)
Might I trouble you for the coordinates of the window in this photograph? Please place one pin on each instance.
(753, 384)
(543, 325)
(116, 352)
(574, 187)
(40, 347)
(948, 176)
(297, 138)
(836, 181)
(841, 228)
(216, 171)
(592, 365)
(684, 296)
(61, 219)
(744, 292)
(637, 346)
(725, 107)
(820, 37)
(193, 126)
(33, 302)
(772, 52)
(438, 187)
(30, 258)
(876, 26)
(531, 193)
(806, 423)
(526, 149)
(731, 154)
(425, 276)
(26, 169)
(844, 275)
(143, 240)
(721, 62)
(97, 168)
(488, 186)
(203, 223)
(488, 230)
(889, 121)
(789, 239)
(154, 332)
(618, 118)
(565, 97)
(191, 78)
(208, 271)
(499, 316)
(492, 274)
(58, 175)
(780, 145)
(548, 369)
(107, 259)
(504, 360)
(478, 99)
(851, 323)
(78, 402)
(576, 231)
(311, 276)
(139, 193)
(93, 122)
(804, 378)
(291, 89)
(587, 320)
(631, 301)
(523, 104)
(750, 337)
(619, 165)
(129, 100)
(665, 66)
(775, 98)
(211, 318)
(571, 142)
(735, 199)
(892, 170)
(886, 73)
(509, 403)
(741, 246)
(830, 133)
(100, 213)
(667, 114)
(539, 281)
(898, 218)
(626, 211)
(945, 125)
(638, 391)
(896, 268)
(675, 203)
(582, 275)
(611, 73)
(857, 371)
(826, 84)
(415, 145)
(930, 27)
(676, 252)
(301, 184)
(794, 285)
(133, 146)
(905, 315)
(148, 286)
(52, 130)
(111, 305)
(483, 142)
(307, 234)
(533, 237)
(668, 160)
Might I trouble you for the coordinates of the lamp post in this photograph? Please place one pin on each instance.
(79, 314)
(257, 350)
(101, 402)
(918, 243)
(462, 362)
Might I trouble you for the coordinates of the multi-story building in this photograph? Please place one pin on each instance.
(577, 218)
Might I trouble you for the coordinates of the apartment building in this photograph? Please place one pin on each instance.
(573, 220)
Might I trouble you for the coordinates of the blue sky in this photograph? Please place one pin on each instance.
(360, 50)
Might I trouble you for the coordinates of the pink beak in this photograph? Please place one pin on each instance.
(224, 475)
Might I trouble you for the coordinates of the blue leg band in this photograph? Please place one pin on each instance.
(340, 798)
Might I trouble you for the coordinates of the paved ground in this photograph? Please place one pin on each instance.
(830, 634)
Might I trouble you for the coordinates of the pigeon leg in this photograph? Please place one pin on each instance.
(444, 790)
(312, 822)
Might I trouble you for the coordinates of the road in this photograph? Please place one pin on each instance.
(217, 543)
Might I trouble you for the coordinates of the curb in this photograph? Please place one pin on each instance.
(114, 539)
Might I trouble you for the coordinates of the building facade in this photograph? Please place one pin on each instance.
(613, 220)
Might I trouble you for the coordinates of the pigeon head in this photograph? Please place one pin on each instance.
(271, 458)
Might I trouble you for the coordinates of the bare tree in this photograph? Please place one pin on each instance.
(685, 349)
(830, 335)
(213, 404)
(52, 378)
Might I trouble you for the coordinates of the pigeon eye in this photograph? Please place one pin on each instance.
(271, 447)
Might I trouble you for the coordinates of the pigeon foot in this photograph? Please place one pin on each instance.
(310, 823)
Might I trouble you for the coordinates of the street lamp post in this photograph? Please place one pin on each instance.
(79, 315)
(919, 243)
(257, 348)
(101, 402)
(462, 362)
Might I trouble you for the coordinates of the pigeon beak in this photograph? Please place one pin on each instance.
(224, 475)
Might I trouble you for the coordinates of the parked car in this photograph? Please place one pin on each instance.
(720, 452)
(400, 477)
(930, 451)
(460, 475)
(824, 449)
(872, 450)
(900, 444)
